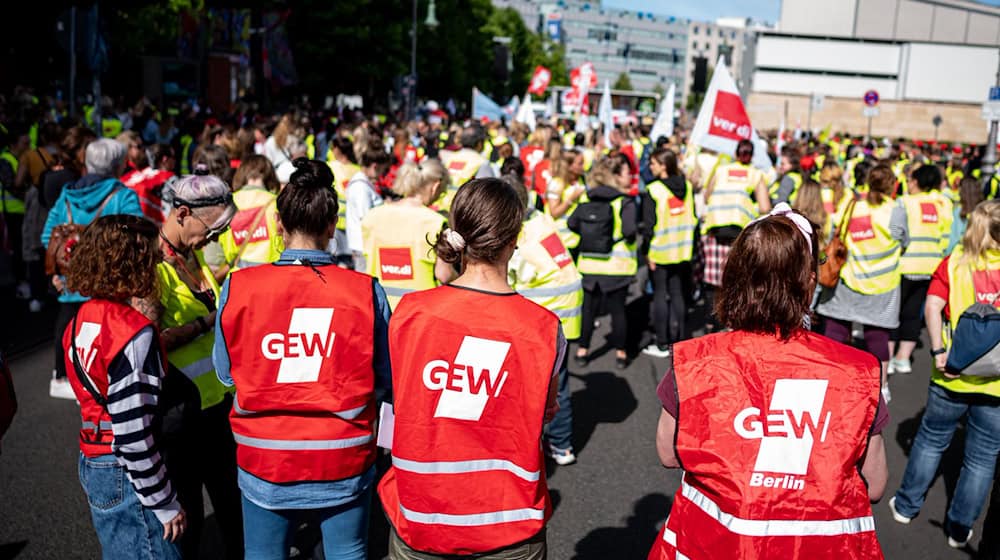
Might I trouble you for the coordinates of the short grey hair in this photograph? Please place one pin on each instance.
(105, 157)
(199, 189)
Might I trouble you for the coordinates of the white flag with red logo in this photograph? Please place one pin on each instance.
(540, 80)
(583, 79)
(722, 121)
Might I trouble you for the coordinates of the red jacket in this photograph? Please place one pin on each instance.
(103, 328)
(770, 435)
(300, 346)
(471, 374)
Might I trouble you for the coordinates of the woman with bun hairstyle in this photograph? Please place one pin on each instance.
(475, 368)
(303, 341)
(397, 234)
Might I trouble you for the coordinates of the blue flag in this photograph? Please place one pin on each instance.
(483, 106)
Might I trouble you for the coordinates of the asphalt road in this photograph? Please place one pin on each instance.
(608, 505)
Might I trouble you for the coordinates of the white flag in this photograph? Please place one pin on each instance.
(781, 137)
(664, 125)
(722, 121)
(525, 113)
(604, 113)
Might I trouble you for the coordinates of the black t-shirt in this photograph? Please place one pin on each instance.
(53, 182)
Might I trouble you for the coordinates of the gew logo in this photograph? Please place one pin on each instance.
(303, 348)
(84, 344)
(467, 385)
(794, 420)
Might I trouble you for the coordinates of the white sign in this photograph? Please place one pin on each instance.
(870, 112)
(817, 101)
(991, 111)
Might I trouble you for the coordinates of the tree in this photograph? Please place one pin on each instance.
(623, 82)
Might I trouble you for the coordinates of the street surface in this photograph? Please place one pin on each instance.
(608, 505)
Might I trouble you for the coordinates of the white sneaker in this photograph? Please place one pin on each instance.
(656, 352)
(59, 388)
(901, 366)
(886, 394)
(891, 368)
(899, 517)
(23, 291)
(562, 457)
(960, 544)
(34, 306)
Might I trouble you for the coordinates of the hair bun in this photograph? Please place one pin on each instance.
(201, 169)
(301, 163)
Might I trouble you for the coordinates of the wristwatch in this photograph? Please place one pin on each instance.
(938, 351)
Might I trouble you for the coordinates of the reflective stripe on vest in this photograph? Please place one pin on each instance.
(673, 240)
(91, 426)
(301, 444)
(872, 265)
(621, 261)
(550, 292)
(776, 527)
(10, 203)
(463, 467)
(473, 519)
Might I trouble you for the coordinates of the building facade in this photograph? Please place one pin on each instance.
(650, 49)
(730, 38)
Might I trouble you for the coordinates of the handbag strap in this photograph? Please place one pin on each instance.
(82, 375)
(847, 218)
(100, 209)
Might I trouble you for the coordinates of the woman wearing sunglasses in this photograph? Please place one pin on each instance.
(203, 450)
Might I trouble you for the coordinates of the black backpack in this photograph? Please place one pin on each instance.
(597, 227)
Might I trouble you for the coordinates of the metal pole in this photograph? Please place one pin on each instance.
(990, 158)
(411, 89)
(869, 129)
(72, 61)
(809, 118)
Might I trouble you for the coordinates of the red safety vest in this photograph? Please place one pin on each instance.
(770, 449)
(103, 328)
(300, 347)
(471, 374)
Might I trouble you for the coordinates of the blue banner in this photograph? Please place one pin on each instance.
(483, 106)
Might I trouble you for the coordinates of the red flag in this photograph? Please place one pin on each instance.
(729, 119)
(540, 80)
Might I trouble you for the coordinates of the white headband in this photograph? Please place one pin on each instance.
(800, 221)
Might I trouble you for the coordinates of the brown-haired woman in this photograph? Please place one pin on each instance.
(970, 194)
(810, 204)
(252, 238)
(731, 437)
(608, 275)
(472, 360)
(564, 192)
(868, 291)
(116, 371)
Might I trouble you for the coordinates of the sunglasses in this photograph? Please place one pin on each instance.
(211, 233)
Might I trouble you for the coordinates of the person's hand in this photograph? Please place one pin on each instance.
(577, 193)
(58, 283)
(941, 360)
(652, 265)
(173, 529)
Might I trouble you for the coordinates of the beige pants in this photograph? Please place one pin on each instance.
(531, 549)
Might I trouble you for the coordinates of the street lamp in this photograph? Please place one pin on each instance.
(431, 22)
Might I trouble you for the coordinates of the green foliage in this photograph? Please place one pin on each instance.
(623, 82)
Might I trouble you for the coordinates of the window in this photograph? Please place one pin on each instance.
(694, 45)
(695, 30)
(602, 34)
(732, 35)
(721, 34)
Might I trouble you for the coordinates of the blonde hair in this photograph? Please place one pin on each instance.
(809, 202)
(831, 176)
(411, 178)
(983, 233)
(605, 172)
(560, 165)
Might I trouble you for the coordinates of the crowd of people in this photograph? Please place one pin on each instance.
(247, 303)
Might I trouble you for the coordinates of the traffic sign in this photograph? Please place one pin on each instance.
(870, 112)
(871, 98)
(994, 93)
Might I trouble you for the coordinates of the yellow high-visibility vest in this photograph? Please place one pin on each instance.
(730, 203)
(929, 216)
(9, 202)
(180, 307)
(872, 265)
(462, 166)
(621, 261)
(544, 272)
(397, 245)
(342, 173)
(569, 238)
(962, 294)
(263, 244)
(673, 238)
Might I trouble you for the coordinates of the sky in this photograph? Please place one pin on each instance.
(710, 10)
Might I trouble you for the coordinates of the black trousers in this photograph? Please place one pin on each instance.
(63, 318)
(614, 303)
(912, 295)
(671, 289)
(200, 451)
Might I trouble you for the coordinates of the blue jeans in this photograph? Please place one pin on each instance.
(982, 444)
(268, 533)
(124, 527)
(560, 429)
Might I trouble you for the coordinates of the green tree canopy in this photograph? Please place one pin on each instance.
(623, 82)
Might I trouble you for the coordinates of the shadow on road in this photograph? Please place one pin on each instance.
(606, 399)
(632, 541)
(9, 551)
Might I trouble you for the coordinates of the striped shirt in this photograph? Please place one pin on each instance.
(134, 380)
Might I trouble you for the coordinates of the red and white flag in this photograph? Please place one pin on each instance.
(540, 80)
(722, 121)
(583, 79)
